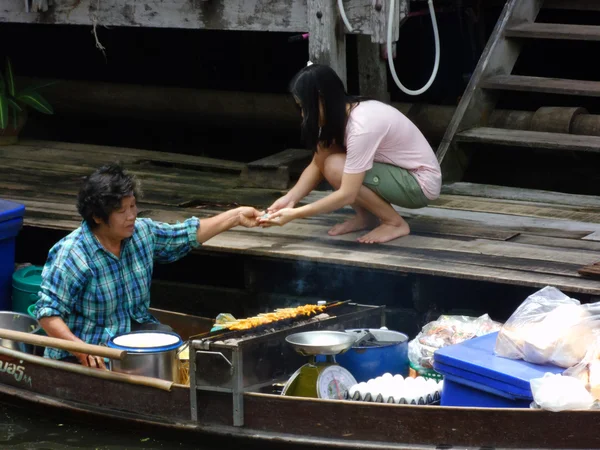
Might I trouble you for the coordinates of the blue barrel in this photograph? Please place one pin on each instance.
(11, 222)
(370, 362)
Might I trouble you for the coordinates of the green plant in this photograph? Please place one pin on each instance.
(13, 101)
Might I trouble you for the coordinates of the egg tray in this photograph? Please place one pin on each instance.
(428, 400)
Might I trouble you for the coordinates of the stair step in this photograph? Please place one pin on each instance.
(555, 31)
(544, 85)
(530, 139)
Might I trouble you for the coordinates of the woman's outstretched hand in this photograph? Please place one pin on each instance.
(284, 202)
(278, 218)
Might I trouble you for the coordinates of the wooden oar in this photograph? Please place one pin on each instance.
(62, 344)
(88, 371)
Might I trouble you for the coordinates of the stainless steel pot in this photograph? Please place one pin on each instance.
(18, 322)
(158, 361)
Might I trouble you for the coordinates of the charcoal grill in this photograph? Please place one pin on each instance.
(239, 361)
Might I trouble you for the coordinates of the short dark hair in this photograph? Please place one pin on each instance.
(315, 82)
(102, 192)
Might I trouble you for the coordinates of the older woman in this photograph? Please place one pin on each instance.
(96, 281)
(372, 155)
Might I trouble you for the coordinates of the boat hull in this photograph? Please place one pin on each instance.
(273, 419)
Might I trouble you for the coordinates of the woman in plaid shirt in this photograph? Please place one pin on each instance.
(96, 281)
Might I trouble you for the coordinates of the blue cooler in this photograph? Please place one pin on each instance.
(475, 377)
(11, 222)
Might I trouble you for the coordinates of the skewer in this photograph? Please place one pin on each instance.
(280, 314)
(337, 304)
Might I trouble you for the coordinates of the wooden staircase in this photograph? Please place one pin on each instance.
(493, 77)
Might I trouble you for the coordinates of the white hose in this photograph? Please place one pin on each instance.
(390, 55)
(344, 17)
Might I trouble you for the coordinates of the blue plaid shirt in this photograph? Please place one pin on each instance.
(95, 292)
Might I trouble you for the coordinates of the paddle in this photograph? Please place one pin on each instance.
(62, 344)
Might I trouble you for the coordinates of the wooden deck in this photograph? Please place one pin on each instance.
(502, 235)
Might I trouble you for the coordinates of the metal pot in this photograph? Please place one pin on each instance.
(150, 359)
(18, 322)
(366, 363)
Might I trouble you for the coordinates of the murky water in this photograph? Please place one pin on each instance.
(24, 429)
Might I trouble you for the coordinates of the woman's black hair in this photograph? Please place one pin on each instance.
(316, 82)
(102, 192)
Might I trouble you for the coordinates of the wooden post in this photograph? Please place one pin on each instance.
(372, 70)
(372, 66)
(327, 40)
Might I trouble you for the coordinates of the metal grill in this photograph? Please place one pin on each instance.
(241, 361)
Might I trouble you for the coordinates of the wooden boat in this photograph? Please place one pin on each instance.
(277, 419)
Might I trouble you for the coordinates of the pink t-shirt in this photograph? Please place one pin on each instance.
(379, 132)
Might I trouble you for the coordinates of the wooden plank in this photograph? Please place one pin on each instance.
(70, 186)
(554, 31)
(512, 207)
(524, 83)
(474, 248)
(149, 178)
(54, 155)
(420, 224)
(282, 159)
(573, 5)
(423, 226)
(531, 139)
(163, 196)
(274, 171)
(498, 57)
(520, 194)
(327, 43)
(45, 204)
(137, 155)
(44, 164)
(247, 243)
(456, 229)
(495, 221)
(547, 241)
(156, 174)
(240, 15)
(162, 192)
(450, 258)
(305, 229)
(551, 232)
(592, 236)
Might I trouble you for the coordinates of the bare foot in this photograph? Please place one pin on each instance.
(385, 233)
(357, 223)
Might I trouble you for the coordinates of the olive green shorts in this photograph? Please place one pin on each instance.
(395, 185)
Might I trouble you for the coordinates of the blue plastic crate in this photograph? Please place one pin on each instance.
(475, 377)
(11, 222)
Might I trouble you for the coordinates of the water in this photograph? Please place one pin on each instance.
(22, 429)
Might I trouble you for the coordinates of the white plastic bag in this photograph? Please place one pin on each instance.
(555, 392)
(548, 328)
(588, 370)
(447, 330)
